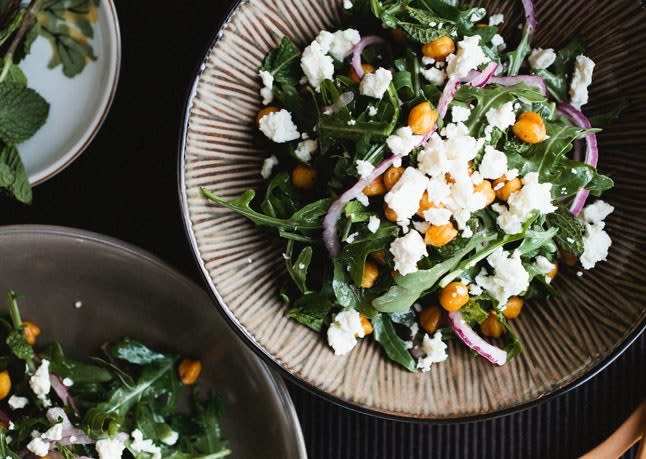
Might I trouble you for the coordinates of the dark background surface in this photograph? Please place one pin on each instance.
(125, 186)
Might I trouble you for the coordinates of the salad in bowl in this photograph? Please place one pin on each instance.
(428, 180)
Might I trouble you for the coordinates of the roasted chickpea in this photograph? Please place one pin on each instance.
(504, 188)
(392, 176)
(304, 177)
(439, 236)
(375, 188)
(425, 203)
(552, 274)
(5, 384)
(513, 307)
(188, 371)
(422, 118)
(454, 296)
(366, 325)
(31, 332)
(530, 128)
(366, 68)
(429, 318)
(439, 48)
(491, 326)
(485, 188)
(390, 214)
(370, 274)
(265, 111)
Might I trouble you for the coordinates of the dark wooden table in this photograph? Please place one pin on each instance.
(125, 186)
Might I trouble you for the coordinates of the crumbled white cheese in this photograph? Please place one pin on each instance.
(596, 241)
(305, 149)
(344, 330)
(317, 65)
(533, 196)
(39, 381)
(347, 4)
(437, 216)
(509, 278)
(268, 83)
(407, 251)
(421, 227)
(511, 174)
(434, 75)
(460, 114)
(498, 42)
(502, 116)
(434, 350)
(363, 199)
(364, 168)
(17, 403)
(404, 197)
(427, 60)
(581, 79)
(67, 382)
(496, 19)
(351, 237)
(338, 44)
(469, 56)
(542, 58)
(376, 83)
(109, 448)
(474, 289)
(403, 141)
(39, 447)
(373, 223)
(494, 163)
(171, 438)
(267, 166)
(372, 111)
(279, 127)
(139, 445)
(54, 433)
(544, 266)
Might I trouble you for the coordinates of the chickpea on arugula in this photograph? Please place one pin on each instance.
(426, 181)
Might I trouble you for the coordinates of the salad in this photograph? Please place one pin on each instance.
(427, 177)
(121, 403)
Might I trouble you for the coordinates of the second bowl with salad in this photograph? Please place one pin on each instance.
(420, 209)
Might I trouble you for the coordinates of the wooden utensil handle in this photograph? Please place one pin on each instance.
(630, 432)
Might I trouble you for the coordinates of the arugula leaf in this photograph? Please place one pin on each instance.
(516, 57)
(557, 79)
(348, 295)
(134, 352)
(22, 112)
(13, 176)
(308, 218)
(5, 450)
(283, 62)
(80, 372)
(393, 345)
(311, 310)
(571, 231)
(472, 312)
(280, 198)
(536, 239)
(298, 270)
(354, 254)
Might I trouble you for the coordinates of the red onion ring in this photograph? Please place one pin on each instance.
(62, 392)
(69, 431)
(469, 337)
(448, 93)
(481, 79)
(530, 80)
(591, 151)
(530, 15)
(358, 49)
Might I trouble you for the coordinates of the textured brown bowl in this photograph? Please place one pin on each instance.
(566, 339)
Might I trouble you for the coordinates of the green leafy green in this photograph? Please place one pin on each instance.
(516, 57)
(393, 345)
(570, 231)
(472, 312)
(22, 112)
(283, 62)
(13, 176)
(134, 352)
(311, 310)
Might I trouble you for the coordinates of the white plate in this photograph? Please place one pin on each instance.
(78, 105)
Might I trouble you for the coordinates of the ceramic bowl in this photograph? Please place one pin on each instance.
(123, 291)
(78, 105)
(567, 339)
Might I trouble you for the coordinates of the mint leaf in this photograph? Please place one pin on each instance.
(16, 75)
(22, 112)
(13, 176)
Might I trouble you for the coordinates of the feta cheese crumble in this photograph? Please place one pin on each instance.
(373, 223)
(347, 4)
(469, 56)
(544, 266)
(38, 446)
(39, 381)
(375, 84)
(344, 330)
(54, 433)
(434, 75)
(581, 79)
(502, 116)
(267, 166)
(403, 141)
(67, 382)
(17, 403)
(139, 445)
(305, 149)
(542, 58)
(496, 19)
(596, 241)
(434, 350)
(372, 111)
(494, 163)
(498, 42)
(109, 448)
(407, 251)
(268, 83)
(317, 65)
(279, 127)
(533, 196)
(460, 114)
(509, 278)
(404, 197)
(437, 216)
(364, 168)
(338, 44)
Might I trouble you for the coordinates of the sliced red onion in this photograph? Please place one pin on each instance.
(530, 15)
(71, 435)
(330, 238)
(358, 49)
(343, 100)
(469, 337)
(481, 79)
(448, 93)
(62, 392)
(577, 118)
(530, 80)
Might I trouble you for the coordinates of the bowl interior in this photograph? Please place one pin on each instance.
(124, 292)
(564, 338)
